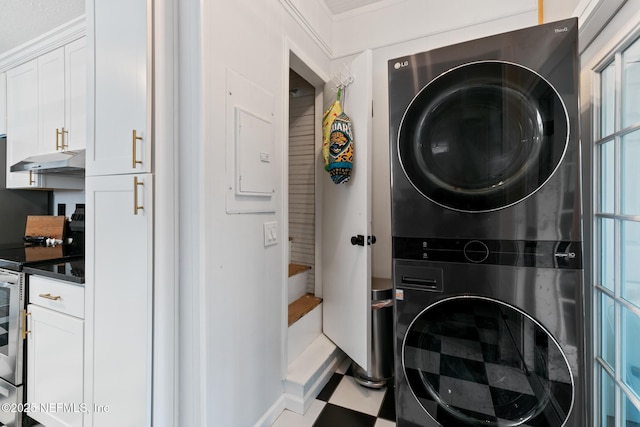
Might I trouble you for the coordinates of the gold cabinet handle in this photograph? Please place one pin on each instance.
(60, 139)
(32, 180)
(25, 331)
(49, 296)
(136, 138)
(65, 144)
(136, 206)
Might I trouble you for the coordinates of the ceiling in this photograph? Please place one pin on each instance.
(24, 20)
(339, 6)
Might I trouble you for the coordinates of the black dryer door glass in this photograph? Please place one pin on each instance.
(474, 361)
(483, 136)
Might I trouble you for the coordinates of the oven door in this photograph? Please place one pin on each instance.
(11, 343)
(13, 396)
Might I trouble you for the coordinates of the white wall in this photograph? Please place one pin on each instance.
(390, 22)
(242, 291)
(67, 198)
(555, 10)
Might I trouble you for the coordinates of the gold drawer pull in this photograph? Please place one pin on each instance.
(49, 296)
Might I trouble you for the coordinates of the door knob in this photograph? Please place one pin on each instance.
(359, 240)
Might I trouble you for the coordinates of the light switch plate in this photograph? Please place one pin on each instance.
(270, 233)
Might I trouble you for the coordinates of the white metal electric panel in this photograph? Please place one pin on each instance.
(250, 143)
(254, 143)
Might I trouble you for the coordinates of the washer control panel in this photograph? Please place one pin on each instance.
(521, 253)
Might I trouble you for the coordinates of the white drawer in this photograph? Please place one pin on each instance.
(57, 295)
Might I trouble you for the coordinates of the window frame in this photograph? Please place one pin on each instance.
(622, 392)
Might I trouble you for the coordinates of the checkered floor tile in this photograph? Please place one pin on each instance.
(345, 403)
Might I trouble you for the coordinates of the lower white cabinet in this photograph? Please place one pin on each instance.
(118, 272)
(55, 353)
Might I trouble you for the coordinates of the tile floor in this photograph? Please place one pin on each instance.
(345, 403)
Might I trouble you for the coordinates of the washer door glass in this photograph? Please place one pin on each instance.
(483, 136)
(472, 361)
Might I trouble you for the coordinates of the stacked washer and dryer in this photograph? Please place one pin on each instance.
(487, 232)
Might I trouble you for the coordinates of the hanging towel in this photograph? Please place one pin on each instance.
(341, 149)
(327, 119)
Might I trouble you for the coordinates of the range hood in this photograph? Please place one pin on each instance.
(63, 162)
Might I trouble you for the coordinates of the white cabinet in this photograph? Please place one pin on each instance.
(120, 140)
(22, 121)
(55, 352)
(119, 298)
(62, 101)
(3, 103)
(119, 220)
(75, 89)
(46, 112)
(51, 101)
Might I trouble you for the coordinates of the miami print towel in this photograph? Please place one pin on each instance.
(341, 149)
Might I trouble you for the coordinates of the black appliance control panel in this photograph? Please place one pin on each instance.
(520, 253)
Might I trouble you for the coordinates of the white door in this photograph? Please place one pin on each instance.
(3, 103)
(22, 121)
(346, 213)
(51, 101)
(55, 366)
(119, 72)
(119, 299)
(75, 86)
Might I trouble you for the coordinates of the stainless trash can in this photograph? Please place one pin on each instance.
(381, 370)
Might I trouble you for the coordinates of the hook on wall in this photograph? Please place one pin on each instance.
(341, 79)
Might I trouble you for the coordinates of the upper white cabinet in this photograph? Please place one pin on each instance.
(3, 103)
(120, 141)
(75, 94)
(62, 102)
(51, 101)
(22, 121)
(46, 112)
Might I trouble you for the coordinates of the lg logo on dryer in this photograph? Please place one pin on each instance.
(401, 64)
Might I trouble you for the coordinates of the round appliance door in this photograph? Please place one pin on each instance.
(483, 136)
(474, 361)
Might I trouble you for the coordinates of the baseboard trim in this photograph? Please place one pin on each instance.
(272, 414)
(320, 361)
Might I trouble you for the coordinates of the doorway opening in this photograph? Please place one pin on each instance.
(304, 306)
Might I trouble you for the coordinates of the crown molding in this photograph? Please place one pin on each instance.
(293, 10)
(593, 17)
(47, 42)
